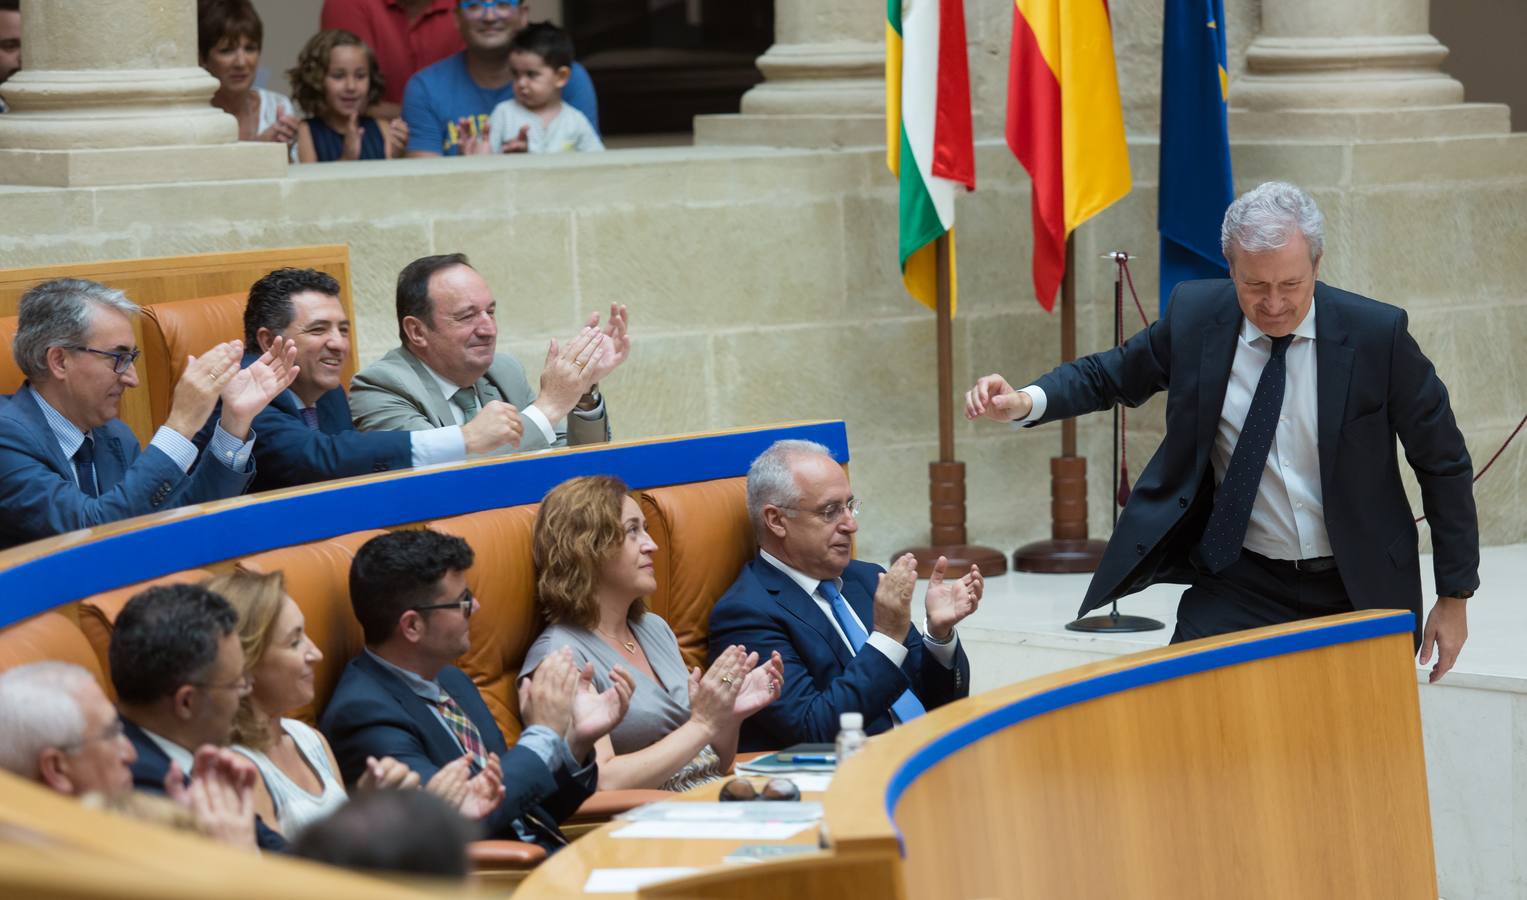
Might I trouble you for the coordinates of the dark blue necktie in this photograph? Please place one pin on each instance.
(906, 707)
(309, 416)
(84, 468)
(1226, 530)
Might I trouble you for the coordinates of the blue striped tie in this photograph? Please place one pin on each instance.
(906, 707)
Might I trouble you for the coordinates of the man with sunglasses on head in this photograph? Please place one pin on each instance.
(447, 105)
(843, 627)
(67, 461)
(403, 696)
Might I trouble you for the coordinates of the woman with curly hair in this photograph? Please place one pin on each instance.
(593, 560)
(299, 779)
(335, 81)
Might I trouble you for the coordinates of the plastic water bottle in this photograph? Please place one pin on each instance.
(850, 734)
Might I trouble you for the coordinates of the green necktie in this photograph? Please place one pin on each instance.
(466, 400)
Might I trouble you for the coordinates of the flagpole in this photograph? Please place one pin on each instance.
(1068, 548)
(946, 477)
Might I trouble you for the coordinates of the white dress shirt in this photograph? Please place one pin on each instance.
(891, 648)
(1288, 515)
(448, 388)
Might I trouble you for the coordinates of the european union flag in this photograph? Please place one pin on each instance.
(1196, 186)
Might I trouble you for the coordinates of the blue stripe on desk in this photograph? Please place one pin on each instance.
(1400, 622)
(200, 539)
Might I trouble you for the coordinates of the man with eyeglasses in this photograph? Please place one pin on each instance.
(448, 371)
(843, 627)
(178, 668)
(403, 696)
(447, 105)
(67, 461)
(58, 729)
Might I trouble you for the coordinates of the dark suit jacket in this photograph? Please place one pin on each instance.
(39, 495)
(374, 713)
(151, 767)
(1373, 383)
(289, 453)
(765, 611)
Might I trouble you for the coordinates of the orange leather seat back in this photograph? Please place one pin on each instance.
(10, 373)
(703, 538)
(176, 330)
(50, 635)
(503, 580)
(98, 614)
(317, 576)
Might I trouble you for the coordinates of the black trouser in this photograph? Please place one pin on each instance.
(1255, 591)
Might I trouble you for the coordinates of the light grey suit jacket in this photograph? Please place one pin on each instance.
(398, 393)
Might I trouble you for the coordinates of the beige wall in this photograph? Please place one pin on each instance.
(763, 286)
(288, 25)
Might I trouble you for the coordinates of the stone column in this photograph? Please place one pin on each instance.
(824, 81)
(111, 93)
(1360, 69)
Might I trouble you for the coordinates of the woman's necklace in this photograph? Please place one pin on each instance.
(629, 645)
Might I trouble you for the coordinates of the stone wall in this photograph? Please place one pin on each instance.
(763, 286)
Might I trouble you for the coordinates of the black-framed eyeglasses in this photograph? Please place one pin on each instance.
(832, 512)
(741, 789)
(463, 603)
(476, 9)
(121, 360)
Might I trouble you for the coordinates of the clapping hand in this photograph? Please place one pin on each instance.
(254, 386)
(949, 602)
(397, 138)
(893, 598)
(760, 687)
(282, 131)
(713, 695)
(595, 714)
(387, 774)
(484, 791)
(620, 342)
(219, 796)
(520, 143)
(353, 134)
(570, 370)
(200, 385)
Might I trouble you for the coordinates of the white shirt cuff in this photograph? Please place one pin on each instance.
(437, 445)
(534, 414)
(889, 647)
(943, 651)
(175, 445)
(1037, 395)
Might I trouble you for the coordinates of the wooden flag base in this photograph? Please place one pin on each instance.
(946, 493)
(1068, 549)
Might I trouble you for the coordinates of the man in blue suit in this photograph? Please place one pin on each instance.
(842, 627)
(306, 433)
(1276, 493)
(67, 462)
(402, 696)
(178, 669)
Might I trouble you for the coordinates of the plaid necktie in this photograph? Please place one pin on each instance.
(464, 731)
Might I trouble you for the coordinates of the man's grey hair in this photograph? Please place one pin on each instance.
(1265, 217)
(770, 480)
(40, 708)
(58, 313)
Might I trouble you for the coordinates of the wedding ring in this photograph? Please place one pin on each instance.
(726, 679)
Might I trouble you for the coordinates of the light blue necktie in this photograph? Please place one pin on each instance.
(907, 707)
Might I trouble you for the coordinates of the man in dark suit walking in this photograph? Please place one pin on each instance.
(403, 698)
(1276, 494)
(842, 627)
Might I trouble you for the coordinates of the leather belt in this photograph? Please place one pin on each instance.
(1315, 565)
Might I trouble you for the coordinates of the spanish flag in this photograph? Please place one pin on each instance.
(1064, 123)
(928, 140)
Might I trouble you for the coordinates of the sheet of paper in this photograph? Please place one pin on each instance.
(748, 811)
(624, 881)
(808, 782)
(724, 831)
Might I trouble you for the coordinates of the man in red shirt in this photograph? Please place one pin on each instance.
(405, 36)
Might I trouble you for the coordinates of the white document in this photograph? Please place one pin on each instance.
(810, 783)
(725, 831)
(624, 881)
